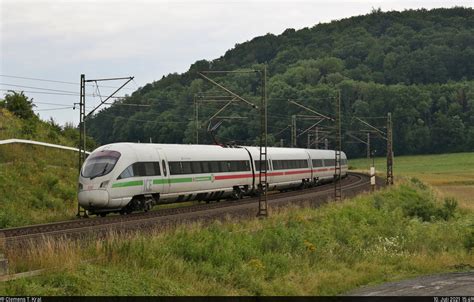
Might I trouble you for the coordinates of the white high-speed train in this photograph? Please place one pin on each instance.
(126, 177)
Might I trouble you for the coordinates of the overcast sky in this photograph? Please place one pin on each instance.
(59, 40)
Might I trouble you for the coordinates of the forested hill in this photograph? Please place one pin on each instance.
(417, 64)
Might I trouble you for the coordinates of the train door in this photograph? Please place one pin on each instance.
(165, 172)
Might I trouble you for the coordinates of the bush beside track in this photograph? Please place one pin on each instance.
(393, 234)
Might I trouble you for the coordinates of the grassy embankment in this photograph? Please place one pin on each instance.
(37, 184)
(393, 234)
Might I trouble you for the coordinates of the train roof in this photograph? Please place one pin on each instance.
(253, 149)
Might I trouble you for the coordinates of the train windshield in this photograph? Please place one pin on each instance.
(100, 163)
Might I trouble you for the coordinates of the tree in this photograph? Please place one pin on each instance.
(19, 104)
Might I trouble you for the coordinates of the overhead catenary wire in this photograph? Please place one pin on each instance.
(74, 94)
(39, 88)
(52, 81)
(53, 109)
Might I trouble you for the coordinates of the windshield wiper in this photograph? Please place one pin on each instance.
(101, 173)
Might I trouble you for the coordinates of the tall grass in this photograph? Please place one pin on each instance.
(393, 234)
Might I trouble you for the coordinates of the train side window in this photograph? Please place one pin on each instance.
(139, 169)
(214, 165)
(240, 165)
(149, 169)
(186, 167)
(223, 166)
(205, 167)
(196, 167)
(156, 168)
(246, 166)
(234, 166)
(304, 163)
(257, 165)
(175, 168)
(127, 173)
(275, 165)
(317, 163)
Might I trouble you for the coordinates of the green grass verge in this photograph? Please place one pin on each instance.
(390, 235)
(37, 185)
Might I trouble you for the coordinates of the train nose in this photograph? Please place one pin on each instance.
(93, 199)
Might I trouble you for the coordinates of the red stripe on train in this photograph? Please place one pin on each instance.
(221, 177)
(297, 172)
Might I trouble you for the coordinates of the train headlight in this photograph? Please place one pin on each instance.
(80, 187)
(104, 184)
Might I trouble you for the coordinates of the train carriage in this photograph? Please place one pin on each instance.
(126, 177)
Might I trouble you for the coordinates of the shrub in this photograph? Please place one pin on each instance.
(469, 241)
(448, 209)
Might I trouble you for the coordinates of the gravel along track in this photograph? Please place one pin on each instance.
(352, 185)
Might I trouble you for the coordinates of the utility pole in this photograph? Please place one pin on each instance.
(293, 131)
(82, 121)
(196, 119)
(388, 137)
(337, 153)
(316, 138)
(263, 181)
(263, 164)
(82, 135)
(389, 180)
(368, 147)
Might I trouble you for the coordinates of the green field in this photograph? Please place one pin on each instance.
(452, 175)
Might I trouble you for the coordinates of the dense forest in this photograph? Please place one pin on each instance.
(416, 64)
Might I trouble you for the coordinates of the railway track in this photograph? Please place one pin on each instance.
(351, 185)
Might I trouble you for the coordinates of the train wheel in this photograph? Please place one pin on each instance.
(237, 194)
(147, 207)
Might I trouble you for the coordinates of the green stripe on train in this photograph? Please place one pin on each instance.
(172, 180)
(161, 181)
(178, 180)
(128, 184)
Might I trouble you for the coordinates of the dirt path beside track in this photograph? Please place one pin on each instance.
(446, 285)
